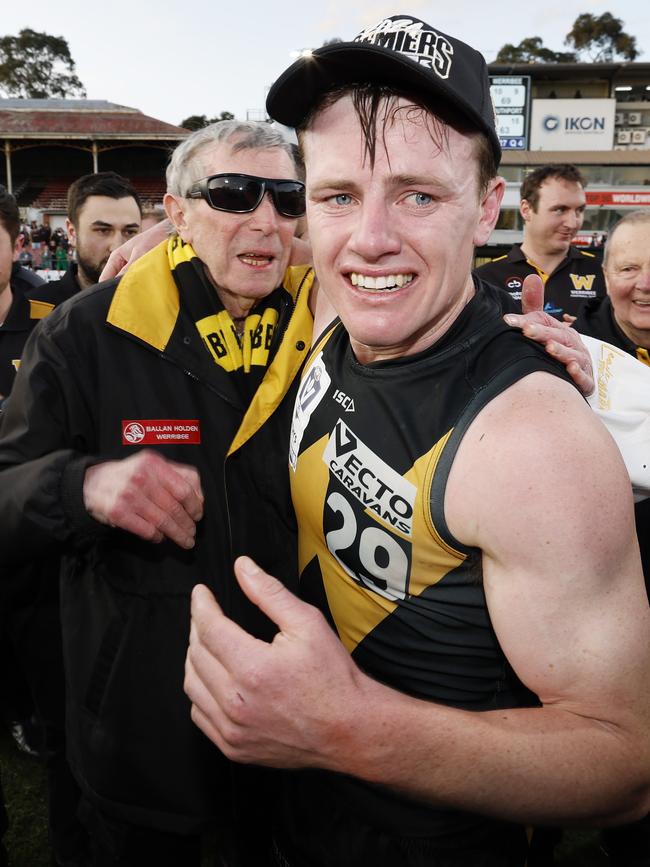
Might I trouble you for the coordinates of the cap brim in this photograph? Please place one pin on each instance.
(299, 88)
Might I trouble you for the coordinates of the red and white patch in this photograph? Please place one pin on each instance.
(161, 431)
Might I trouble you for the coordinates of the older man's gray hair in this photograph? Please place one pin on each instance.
(186, 167)
(629, 219)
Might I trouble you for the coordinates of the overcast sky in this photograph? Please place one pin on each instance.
(207, 56)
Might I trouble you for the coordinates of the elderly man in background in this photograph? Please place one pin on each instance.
(622, 318)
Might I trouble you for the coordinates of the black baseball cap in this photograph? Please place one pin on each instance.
(399, 52)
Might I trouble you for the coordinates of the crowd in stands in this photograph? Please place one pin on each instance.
(44, 249)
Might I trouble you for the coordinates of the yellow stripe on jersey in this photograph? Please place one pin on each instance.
(39, 309)
(358, 610)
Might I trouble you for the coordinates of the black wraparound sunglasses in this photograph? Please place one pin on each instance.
(241, 194)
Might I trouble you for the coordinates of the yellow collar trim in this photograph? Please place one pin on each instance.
(39, 309)
(291, 354)
(146, 302)
(643, 355)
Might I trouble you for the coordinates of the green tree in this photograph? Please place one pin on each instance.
(198, 121)
(532, 50)
(602, 39)
(36, 66)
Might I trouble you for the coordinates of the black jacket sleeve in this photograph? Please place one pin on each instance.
(46, 441)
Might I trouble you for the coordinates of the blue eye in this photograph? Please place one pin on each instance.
(421, 199)
(342, 199)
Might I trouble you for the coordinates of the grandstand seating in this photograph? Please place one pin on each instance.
(50, 194)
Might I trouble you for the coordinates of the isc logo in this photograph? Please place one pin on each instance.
(346, 402)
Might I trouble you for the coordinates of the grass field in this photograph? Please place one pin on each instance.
(23, 781)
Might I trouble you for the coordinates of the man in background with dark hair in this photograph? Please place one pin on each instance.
(104, 210)
(553, 208)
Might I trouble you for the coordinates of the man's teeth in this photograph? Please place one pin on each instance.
(387, 281)
(251, 259)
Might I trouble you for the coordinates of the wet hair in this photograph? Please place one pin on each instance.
(108, 184)
(632, 219)
(9, 215)
(377, 107)
(186, 167)
(530, 187)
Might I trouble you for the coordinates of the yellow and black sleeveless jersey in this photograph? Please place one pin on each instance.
(370, 452)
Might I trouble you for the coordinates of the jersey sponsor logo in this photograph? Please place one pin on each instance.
(368, 506)
(409, 37)
(158, 431)
(346, 402)
(369, 479)
(514, 284)
(373, 557)
(312, 390)
(583, 285)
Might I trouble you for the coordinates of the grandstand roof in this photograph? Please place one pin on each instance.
(80, 118)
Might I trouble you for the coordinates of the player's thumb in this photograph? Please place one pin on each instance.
(532, 294)
(270, 595)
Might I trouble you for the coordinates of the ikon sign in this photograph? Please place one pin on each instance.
(572, 124)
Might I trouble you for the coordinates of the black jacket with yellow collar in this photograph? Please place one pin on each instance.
(117, 368)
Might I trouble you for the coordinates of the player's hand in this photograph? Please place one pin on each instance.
(559, 339)
(130, 250)
(147, 495)
(281, 704)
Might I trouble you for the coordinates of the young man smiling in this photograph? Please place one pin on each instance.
(482, 679)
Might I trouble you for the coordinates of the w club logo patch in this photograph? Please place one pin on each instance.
(583, 283)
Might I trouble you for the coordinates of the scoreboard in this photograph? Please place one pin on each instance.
(511, 99)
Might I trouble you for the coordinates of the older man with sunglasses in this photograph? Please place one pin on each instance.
(146, 403)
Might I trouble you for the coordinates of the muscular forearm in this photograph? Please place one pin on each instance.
(301, 702)
(535, 765)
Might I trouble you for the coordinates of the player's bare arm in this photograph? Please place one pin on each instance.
(539, 487)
